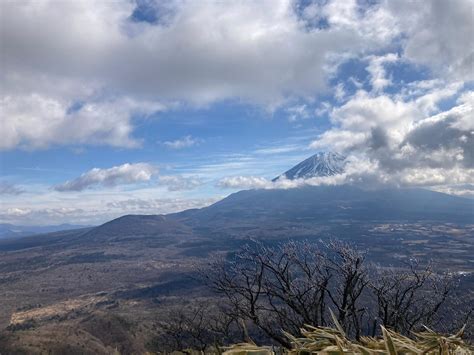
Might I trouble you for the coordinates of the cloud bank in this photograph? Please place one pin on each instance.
(264, 52)
(84, 213)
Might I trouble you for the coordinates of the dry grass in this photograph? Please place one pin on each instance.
(323, 340)
(56, 310)
(333, 341)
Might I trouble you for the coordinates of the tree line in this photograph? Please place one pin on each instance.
(264, 289)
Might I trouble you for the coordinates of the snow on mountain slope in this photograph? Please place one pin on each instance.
(320, 164)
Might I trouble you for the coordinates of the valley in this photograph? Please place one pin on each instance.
(134, 268)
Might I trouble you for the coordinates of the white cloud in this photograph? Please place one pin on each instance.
(297, 112)
(355, 120)
(79, 72)
(256, 182)
(98, 212)
(464, 190)
(180, 183)
(375, 23)
(208, 51)
(181, 143)
(438, 34)
(434, 33)
(117, 175)
(406, 137)
(279, 149)
(323, 109)
(354, 170)
(368, 173)
(377, 71)
(38, 121)
(340, 92)
(159, 205)
(55, 54)
(464, 112)
(244, 182)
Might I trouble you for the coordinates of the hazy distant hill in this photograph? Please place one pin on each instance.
(11, 231)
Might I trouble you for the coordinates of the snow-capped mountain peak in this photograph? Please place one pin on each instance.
(320, 164)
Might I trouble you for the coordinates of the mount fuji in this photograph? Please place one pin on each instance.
(340, 202)
(318, 165)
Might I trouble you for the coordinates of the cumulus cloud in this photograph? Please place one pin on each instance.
(117, 175)
(376, 69)
(208, 51)
(38, 121)
(181, 143)
(7, 188)
(264, 52)
(408, 138)
(401, 139)
(188, 51)
(446, 139)
(438, 34)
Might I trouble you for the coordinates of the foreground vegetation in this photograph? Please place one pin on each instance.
(324, 340)
(118, 301)
(303, 288)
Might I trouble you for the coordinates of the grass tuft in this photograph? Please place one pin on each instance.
(333, 341)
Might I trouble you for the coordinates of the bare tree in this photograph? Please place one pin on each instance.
(242, 282)
(296, 283)
(409, 297)
(198, 326)
(350, 279)
(292, 284)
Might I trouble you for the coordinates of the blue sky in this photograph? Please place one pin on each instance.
(110, 108)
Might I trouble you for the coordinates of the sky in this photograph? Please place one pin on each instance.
(116, 107)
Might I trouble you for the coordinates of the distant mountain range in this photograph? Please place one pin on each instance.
(280, 209)
(13, 231)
